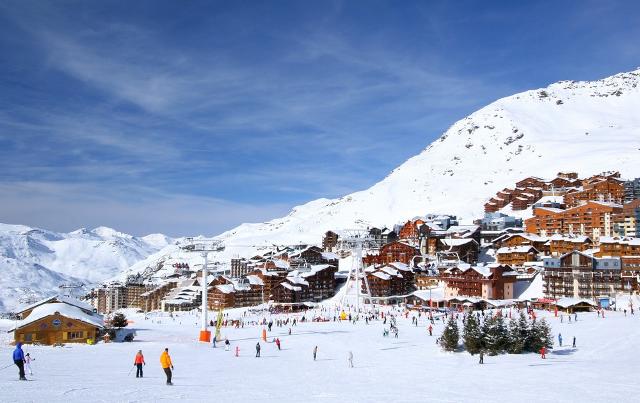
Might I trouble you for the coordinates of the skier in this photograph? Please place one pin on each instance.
(543, 350)
(574, 341)
(227, 345)
(27, 363)
(560, 339)
(166, 364)
(481, 357)
(257, 349)
(278, 343)
(350, 359)
(214, 341)
(18, 359)
(430, 330)
(138, 362)
(315, 352)
(575, 317)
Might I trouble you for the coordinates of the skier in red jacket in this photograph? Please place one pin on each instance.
(543, 351)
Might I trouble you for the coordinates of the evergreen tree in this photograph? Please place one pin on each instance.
(495, 335)
(450, 336)
(518, 332)
(472, 335)
(534, 341)
(119, 320)
(546, 337)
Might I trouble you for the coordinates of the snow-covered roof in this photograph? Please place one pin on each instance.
(400, 266)
(457, 241)
(254, 280)
(291, 287)
(515, 249)
(330, 256)
(567, 302)
(381, 275)
(297, 280)
(63, 299)
(66, 310)
(226, 288)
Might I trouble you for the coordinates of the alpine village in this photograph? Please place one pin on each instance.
(581, 245)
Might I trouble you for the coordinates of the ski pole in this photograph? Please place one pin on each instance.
(5, 367)
(129, 373)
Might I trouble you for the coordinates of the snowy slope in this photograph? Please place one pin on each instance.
(588, 127)
(34, 261)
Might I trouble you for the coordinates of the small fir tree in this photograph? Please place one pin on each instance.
(472, 335)
(119, 320)
(518, 332)
(450, 335)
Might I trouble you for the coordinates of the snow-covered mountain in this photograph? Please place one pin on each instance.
(34, 262)
(587, 127)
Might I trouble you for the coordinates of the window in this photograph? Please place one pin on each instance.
(74, 335)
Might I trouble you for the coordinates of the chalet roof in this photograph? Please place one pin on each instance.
(330, 256)
(381, 275)
(64, 309)
(463, 229)
(291, 287)
(452, 242)
(516, 249)
(254, 280)
(568, 302)
(297, 280)
(620, 240)
(62, 299)
(390, 271)
(226, 288)
(400, 266)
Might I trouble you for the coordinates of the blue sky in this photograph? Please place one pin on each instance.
(189, 117)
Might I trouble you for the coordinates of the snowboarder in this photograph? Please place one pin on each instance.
(166, 364)
(560, 339)
(27, 363)
(18, 359)
(481, 357)
(543, 350)
(315, 352)
(350, 359)
(278, 343)
(574, 342)
(257, 349)
(227, 345)
(138, 362)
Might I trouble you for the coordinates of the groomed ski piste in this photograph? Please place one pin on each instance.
(409, 368)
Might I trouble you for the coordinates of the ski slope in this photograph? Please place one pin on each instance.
(411, 368)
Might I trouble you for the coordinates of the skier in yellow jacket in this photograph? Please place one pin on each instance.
(167, 365)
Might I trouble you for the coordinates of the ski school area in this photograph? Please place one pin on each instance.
(404, 364)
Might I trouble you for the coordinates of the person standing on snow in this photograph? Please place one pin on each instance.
(315, 352)
(543, 350)
(227, 344)
(574, 341)
(27, 363)
(350, 359)
(560, 339)
(481, 357)
(430, 330)
(18, 359)
(257, 349)
(138, 361)
(167, 365)
(278, 343)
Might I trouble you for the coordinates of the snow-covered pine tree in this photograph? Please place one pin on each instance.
(472, 335)
(534, 339)
(450, 335)
(518, 331)
(495, 335)
(546, 337)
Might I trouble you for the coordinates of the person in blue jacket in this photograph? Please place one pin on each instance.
(18, 359)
